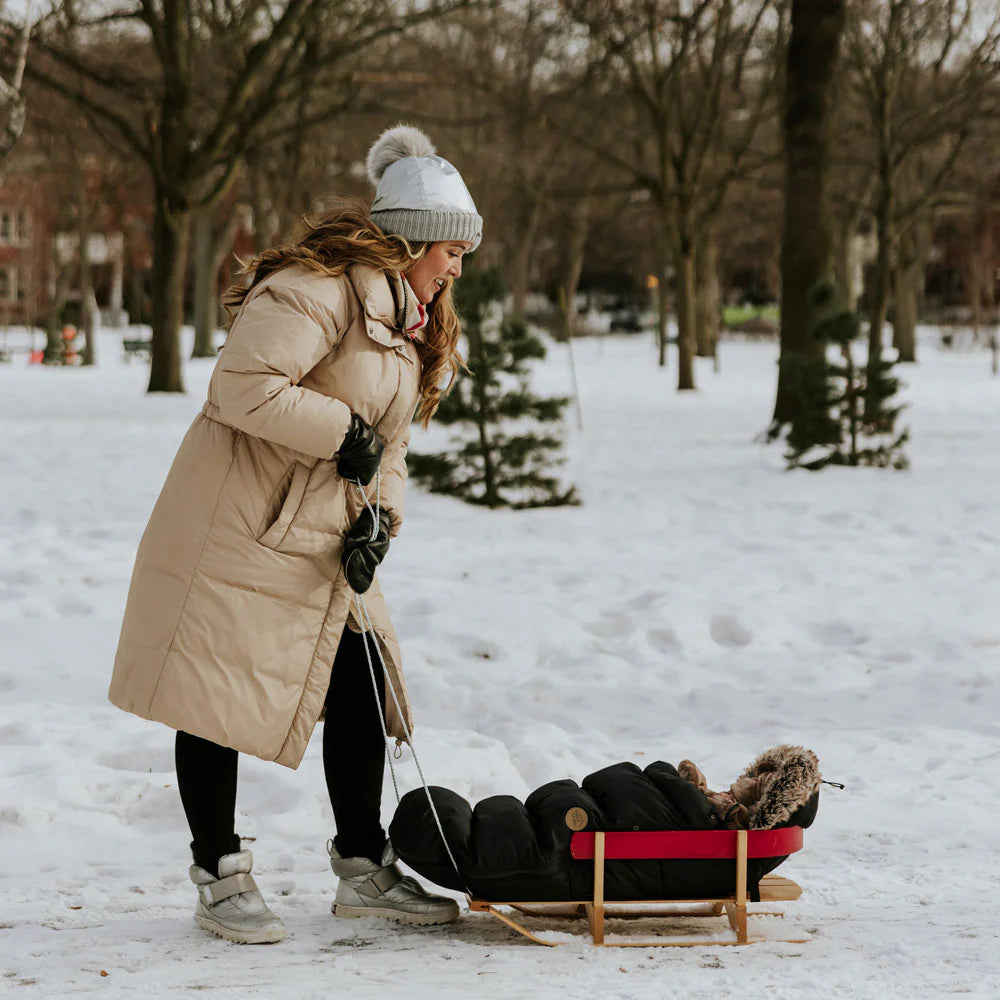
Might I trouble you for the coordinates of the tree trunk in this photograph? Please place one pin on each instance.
(210, 251)
(904, 319)
(520, 266)
(907, 288)
(914, 248)
(88, 303)
(845, 263)
(206, 310)
(170, 239)
(206, 282)
(980, 278)
(573, 256)
(707, 296)
(883, 266)
(138, 310)
(976, 281)
(55, 346)
(662, 292)
(261, 206)
(813, 54)
(479, 380)
(574, 253)
(684, 265)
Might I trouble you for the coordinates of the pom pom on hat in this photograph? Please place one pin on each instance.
(394, 144)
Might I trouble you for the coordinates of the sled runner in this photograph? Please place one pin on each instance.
(605, 848)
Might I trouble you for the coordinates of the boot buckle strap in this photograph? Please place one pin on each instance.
(384, 879)
(231, 885)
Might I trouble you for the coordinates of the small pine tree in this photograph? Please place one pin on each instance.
(846, 417)
(505, 462)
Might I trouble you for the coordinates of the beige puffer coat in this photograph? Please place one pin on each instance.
(238, 600)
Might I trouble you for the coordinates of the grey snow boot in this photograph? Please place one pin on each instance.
(370, 890)
(231, 905)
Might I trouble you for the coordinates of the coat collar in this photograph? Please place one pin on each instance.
(382, 294)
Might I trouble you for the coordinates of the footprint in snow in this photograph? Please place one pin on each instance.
(727, 631)
(664, 640)
(838, 633)
(611, 626)
(18, 735)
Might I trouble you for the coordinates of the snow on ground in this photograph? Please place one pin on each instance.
(702, 603)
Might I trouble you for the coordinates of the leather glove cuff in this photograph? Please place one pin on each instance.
(360, 452)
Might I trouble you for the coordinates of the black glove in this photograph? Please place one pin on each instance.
(360, 452)
(362, 555)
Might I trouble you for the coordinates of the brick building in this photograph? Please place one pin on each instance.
(25, 242)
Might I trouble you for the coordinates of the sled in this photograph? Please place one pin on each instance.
(604, 847)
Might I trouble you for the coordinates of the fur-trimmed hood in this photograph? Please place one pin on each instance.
(769, 792)
(791, 778)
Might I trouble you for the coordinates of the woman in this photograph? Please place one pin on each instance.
(239, 631)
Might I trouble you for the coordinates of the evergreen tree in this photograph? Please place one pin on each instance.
(845, 414)
(506, 461)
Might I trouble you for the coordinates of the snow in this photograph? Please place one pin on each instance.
(702, 603)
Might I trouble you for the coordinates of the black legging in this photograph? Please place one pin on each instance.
(353, 761)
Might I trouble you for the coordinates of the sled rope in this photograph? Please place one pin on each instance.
(374, 511)
(364, 620)
(363, 614)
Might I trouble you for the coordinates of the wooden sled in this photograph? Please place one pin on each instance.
(663, 844)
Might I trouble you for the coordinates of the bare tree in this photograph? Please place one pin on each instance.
(973, 217)
(700, 79)
(88, 303)
(12, 104)
(513, 74)
(77, 184)
(924, 73)
(190, 86)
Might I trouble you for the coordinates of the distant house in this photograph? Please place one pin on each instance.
(38, 243)
(965, 263)
(25, 235)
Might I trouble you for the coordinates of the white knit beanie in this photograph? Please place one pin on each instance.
(418, 194)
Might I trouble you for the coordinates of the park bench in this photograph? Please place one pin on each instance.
(136, 349)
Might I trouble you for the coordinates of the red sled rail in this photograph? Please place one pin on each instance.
(665, 844)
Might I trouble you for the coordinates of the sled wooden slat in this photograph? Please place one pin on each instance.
(740, 845)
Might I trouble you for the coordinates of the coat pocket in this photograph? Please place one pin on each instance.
(285, 503)
(306, 515)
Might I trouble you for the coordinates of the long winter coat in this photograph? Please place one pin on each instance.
(238, 600)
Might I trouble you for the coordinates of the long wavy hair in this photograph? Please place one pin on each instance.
(344, 235)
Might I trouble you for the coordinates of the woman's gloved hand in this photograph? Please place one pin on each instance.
(362, 555)
(360, 452)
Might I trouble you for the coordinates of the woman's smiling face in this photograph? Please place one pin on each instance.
(442, 261)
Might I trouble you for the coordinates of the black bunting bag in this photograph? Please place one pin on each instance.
(506, 849)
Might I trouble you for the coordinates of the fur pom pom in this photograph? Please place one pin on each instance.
(393, 144)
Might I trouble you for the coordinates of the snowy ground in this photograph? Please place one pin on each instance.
(702, 603)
